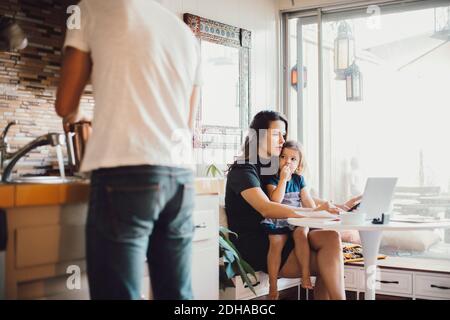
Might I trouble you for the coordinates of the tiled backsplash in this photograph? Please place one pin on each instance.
(29, 78)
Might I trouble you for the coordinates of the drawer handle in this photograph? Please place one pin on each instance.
(439, 287)
(200, 226)
(388, 282)
(256, 284)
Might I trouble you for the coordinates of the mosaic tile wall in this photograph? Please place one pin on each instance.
(28, 79)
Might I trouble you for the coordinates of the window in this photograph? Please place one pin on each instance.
(392, 120)
(224, 111)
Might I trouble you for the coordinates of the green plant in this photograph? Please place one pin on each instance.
(233, 264)
(214, 171)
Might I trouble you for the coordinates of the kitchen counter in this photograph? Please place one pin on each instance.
(46, 226)
(24, 195)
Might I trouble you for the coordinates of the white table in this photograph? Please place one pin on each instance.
(370, 235)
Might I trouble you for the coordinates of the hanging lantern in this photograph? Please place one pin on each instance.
(353, 81)
(344, 50)
(294, 77)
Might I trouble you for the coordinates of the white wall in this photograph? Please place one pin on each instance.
(258, 16)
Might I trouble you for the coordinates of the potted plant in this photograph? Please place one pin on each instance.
(232, 263)
(214, 171)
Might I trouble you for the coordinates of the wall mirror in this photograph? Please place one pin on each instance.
(224, 110)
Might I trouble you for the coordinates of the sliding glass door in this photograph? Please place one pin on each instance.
(375, 100)
(303, 78)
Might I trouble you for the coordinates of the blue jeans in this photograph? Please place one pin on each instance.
(135, 213)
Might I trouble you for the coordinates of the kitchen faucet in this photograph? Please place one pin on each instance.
(52, 139)
(4, 146)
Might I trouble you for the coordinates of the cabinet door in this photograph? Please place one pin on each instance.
(205, 272)
(432, 285)
(394, 282)
(205, 249)
(351, 277)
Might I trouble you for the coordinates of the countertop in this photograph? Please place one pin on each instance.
(21, 195)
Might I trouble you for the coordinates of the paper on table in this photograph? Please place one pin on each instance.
(319, 215)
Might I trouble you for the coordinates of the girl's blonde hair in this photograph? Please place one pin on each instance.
(294, 145)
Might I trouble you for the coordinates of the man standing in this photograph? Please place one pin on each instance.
(145, 68)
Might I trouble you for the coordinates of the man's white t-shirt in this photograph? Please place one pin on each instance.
(146, 62)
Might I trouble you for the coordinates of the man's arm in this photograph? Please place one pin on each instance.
(75, 73)
(193, 106)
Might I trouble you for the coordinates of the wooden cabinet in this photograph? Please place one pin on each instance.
(44, 241)
(404, 278)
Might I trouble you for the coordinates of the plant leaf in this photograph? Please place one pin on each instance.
(232, 246)
(226, 246)
(248, 269)
(224, 231)
(233, 262)
(229, 271)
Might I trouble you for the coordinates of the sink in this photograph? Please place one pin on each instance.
(46, 180)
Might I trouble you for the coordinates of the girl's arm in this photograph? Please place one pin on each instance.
(276, 193)
(307, 200)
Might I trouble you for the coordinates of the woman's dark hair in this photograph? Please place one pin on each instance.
(260, 121)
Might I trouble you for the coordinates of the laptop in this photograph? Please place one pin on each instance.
(377, 197)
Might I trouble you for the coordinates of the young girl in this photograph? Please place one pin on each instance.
(288, 187)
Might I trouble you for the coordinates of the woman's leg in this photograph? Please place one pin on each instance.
(303, 252)
(325, 263)
(277, 242)
(320, 290)
(291, 269)
(330, 263)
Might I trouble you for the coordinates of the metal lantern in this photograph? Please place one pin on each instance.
(344, 50)
(353, 82)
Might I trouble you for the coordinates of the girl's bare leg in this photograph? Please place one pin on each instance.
(277, 242)
(303, 252)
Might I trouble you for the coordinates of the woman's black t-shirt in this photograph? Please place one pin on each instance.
(252, 242)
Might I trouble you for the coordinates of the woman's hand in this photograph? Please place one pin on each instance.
(327, 206)
(285, 173)
(350, 203)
